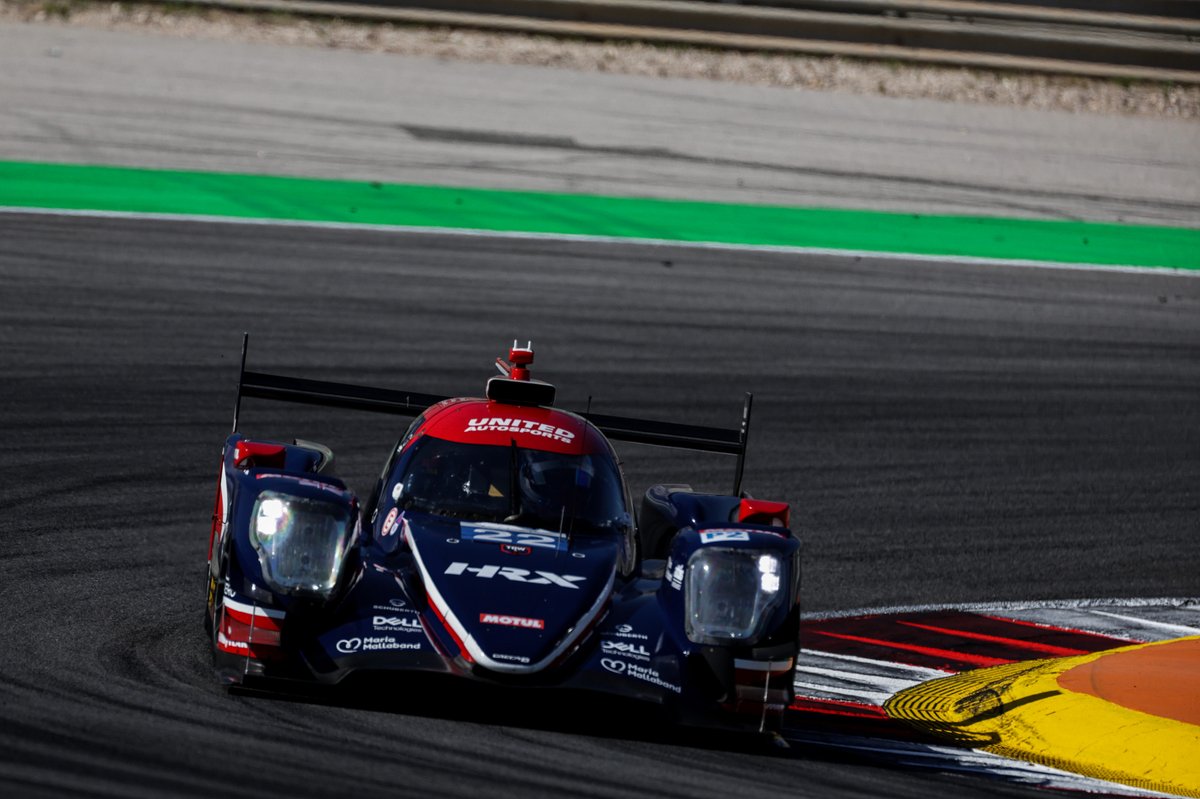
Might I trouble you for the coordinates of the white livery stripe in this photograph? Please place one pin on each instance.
(253, 610)
(472, 645)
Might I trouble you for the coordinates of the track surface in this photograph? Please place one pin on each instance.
(946, 433)
(104, 97)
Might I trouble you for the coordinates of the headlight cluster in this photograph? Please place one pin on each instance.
(731, 593)
(300, 542)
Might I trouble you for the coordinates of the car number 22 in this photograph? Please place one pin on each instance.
(519, 538)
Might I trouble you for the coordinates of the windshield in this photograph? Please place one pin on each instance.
(526, 487)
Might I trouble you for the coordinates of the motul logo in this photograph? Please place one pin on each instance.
(517, 575)
(512, 621)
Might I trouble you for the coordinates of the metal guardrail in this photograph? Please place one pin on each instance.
(1180, 18)
(1065, 10)
(1003, 36)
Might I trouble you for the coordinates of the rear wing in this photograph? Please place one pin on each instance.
(724, 440)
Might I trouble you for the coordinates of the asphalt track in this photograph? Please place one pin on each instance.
(75, 95)
(946, 433)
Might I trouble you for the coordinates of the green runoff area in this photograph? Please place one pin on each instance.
(262, 197)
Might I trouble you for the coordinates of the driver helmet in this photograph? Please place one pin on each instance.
(551, 483)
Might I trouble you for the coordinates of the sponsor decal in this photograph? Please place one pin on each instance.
(397, 490)
(389, 524)
(495, 424)
(516, 575)
(516, 658)
(304, 481)
(676, 577)
(512, 621)
(403, 624)
(227, 590)
(718, 536)
(635, 651)
(517, 537)
(626, 631)
(228, 643)
(394, 606)
(376, 643)
(513, 549)
(638, 673)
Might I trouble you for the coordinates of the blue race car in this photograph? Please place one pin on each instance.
(500, 544)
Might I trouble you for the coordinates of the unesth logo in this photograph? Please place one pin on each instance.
(626, 631)
(490, 424)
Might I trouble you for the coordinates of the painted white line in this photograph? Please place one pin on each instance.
(885, 685)
(252, 610)
(923, 672)
(1162, 625)
(1048, 604)
(856, 677)
(1082, 620)
(815, 691)
(971, 761)
(701, 245)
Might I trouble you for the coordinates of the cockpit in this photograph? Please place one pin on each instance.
(568, 493)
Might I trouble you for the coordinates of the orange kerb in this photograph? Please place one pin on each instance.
(1161, 680)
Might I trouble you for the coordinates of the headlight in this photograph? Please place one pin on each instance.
(731, 593)
(300, 542)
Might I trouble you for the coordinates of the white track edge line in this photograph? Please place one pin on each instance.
(924, 671)
(1047, 604)
(1162, 625)
(703, 245)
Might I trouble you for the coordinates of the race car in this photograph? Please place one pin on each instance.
(500, 544)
